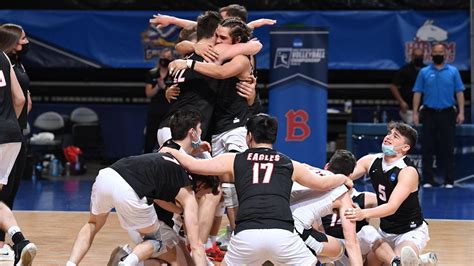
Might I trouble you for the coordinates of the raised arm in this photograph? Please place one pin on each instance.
(362, 167)
(160, 21)
(305, 177)
(217, 166)
(261, 22)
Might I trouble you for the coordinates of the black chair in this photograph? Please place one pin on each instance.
(86, 132)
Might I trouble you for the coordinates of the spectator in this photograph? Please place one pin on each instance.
(403, 83)
(438, 83)
(155, 90)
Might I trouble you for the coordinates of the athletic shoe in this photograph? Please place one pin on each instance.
(429, 258)
(214, 253)
(223, 242)
(408, 257)
(25, 252)
(396, 262)
(118, 254)
(7, 253)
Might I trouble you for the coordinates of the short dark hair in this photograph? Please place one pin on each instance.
(263, 127)
(182, 121)
(236, 11)
(409, 133)
(207, 24)
(342, 162)
(8, 38)
(237, 29)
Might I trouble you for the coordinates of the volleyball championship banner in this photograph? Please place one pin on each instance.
(363, 40)
(298, 92)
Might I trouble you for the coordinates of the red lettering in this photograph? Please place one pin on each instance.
(297, 121)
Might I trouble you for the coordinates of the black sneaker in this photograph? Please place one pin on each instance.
(25, 252)
(396, 262)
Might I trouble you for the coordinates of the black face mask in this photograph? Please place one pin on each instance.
(24, 49)
(438, 59)
(418, 61)
(164, 62)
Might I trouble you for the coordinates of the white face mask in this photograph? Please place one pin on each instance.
(195, 143)
(389, 150)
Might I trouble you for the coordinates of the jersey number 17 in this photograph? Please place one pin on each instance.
(268, 167)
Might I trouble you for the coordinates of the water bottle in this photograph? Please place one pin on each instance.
(54, 167)
(348, 106)
(68, 169)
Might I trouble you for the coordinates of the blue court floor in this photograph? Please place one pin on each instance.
(74, 195)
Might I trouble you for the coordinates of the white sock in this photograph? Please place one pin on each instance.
(131, 260)
(13, 230)
(213, 238)
(70, 263)
(208, 244)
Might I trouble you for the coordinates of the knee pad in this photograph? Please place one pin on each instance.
(220, 210)
(230, 195)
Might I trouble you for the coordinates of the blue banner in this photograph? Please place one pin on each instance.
(364, 40)
(298, 92)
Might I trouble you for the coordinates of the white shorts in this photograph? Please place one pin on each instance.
(163, 135)
(418, 236)
(110, 190)
(231, 140)
(309, 206)
(8, 153)
(230, 195)
(255, 246)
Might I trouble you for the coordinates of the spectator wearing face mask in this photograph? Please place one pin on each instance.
(439, 83)
(403, 82)
(155, 90)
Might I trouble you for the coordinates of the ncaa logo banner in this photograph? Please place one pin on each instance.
(298, 92)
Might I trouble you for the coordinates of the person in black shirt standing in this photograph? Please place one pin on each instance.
(403, 82)
(395, 180)
(263, 180)
(12, 101)
(19, 49)
(155, 88)
(129, 186)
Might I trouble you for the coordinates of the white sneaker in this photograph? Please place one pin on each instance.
(429, 258)
(6, 253)
(408, 257)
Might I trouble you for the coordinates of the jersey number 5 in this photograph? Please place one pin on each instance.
(382, 195)
(268, 167)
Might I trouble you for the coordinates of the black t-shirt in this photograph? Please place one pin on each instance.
(158, 106)
(153, 175)
(9, 128)
(409, 215)
(197, 92)
(263, 184)
(405, 79)
(231, 110)
(332, 223)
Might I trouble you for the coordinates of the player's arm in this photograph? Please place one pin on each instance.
(184, 47)
(349, 229)
(169, 206)
(305, 177)
(228, 51)
(261, 22)
(160, 20)
(220, 165)
(231, 69)
(17, 94)
(407, 183)
(187, 199)
(362, 167)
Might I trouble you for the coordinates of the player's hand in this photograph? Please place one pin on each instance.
(161, 21)
(246, 89)
(176, 65)
(203, 147)
(167, 150)
(172, 92)
(206, 51)
(460, 118)
(404, 106)
(355, 213)
(349, 183)
(416, 118)
(261, 22)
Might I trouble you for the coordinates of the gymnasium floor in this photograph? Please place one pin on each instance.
(52, 212)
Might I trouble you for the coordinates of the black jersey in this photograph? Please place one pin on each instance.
(263, 184)
(196, 92)
(9, 129)
(384, 179)
(231, 110)
(24, 81)
(153, 175)
(332, 223)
